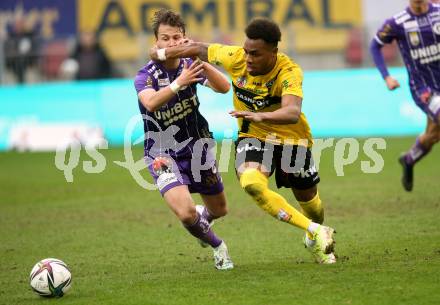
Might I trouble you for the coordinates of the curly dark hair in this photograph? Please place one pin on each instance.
(265, 29)
(168, 17)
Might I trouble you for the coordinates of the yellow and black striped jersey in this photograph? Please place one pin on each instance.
(263, 93)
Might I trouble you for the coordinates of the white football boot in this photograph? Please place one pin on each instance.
(221, 257)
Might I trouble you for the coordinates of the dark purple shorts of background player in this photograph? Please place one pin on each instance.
(431, 107)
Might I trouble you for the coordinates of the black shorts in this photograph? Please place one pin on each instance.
(293, 165)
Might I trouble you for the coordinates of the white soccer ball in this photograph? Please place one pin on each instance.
(50, 278)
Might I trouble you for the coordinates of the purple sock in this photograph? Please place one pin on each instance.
(200, 229)
(417, 152)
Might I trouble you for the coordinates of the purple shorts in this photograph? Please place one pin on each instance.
(431, 107)
(169, 172)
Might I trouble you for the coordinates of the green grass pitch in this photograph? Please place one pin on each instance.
(124, 246)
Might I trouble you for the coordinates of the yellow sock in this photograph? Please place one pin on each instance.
(313, 209)
(256, 185)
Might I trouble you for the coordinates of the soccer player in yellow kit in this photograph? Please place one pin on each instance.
(274, 135)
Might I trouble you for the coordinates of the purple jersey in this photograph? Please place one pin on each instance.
(418, 37)
(178, 120)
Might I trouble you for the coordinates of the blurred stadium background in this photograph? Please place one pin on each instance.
(320, 34)
(48, 80)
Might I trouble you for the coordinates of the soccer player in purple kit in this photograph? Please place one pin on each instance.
(417, 32)
(168, 100)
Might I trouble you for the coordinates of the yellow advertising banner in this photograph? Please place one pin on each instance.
(125, 30)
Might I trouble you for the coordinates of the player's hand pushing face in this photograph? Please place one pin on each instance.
(190, 74)
(185, 42)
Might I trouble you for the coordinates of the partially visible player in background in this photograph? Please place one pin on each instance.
(168, 99)
(267, 101)
(417, 32)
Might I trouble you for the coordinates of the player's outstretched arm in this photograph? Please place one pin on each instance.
(190, 49)
(289, 112)
(217, 81)
(376, 53)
